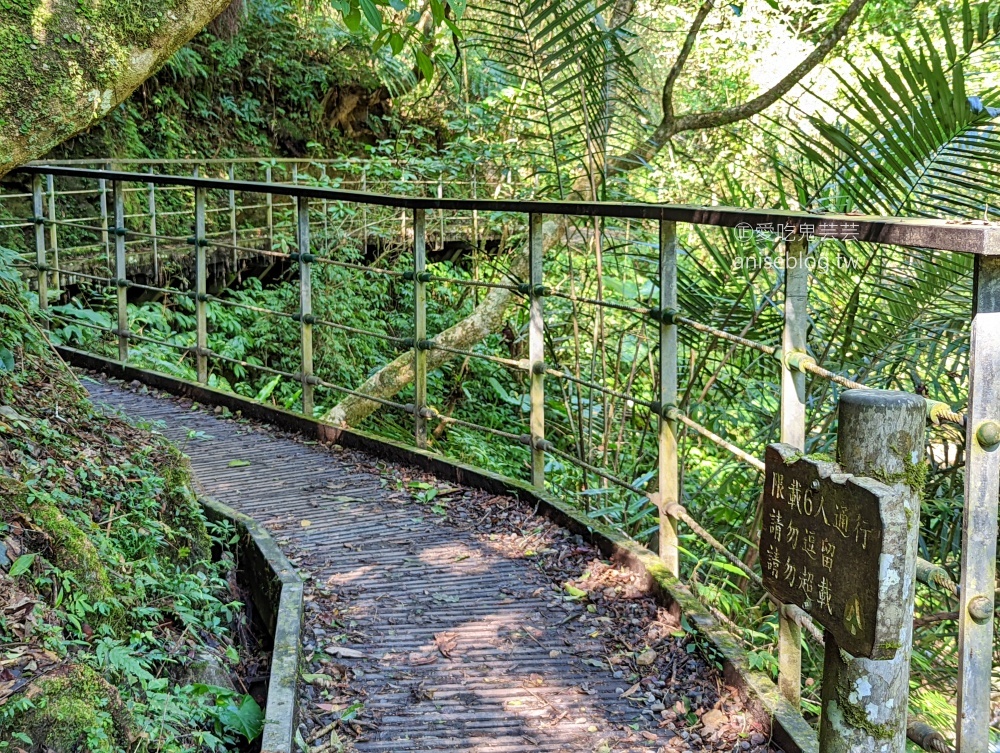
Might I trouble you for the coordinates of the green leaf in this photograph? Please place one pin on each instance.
(574, 592)
(239, 463)
(396, 42)
(372, 14)
(353, 20)
(21, 565)
(6, 360)
(247, 719)
(425, 64)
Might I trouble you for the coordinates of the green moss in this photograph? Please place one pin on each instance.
(74, 709)
(889, 646)
(180, 505)
(913, 475)
(855, 716)
(71, 549)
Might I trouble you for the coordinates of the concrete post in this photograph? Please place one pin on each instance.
(880, 435)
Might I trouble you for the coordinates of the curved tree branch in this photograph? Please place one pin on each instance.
(671, 125)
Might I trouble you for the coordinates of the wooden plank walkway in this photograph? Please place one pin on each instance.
(469, 640)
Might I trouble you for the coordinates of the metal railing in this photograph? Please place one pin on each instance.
(292, 244)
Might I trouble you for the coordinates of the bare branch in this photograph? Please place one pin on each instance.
(697, 121)
(667, 98)
(671, 125)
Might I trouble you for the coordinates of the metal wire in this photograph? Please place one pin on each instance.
(596, 471)
(249, 307)
(77, 274)
(88, 325)
(766, 349)
(143, 338)
(355, 393)
(709, 434)
(475, 283)
(681, 513)
(640, 310)
(247, 249)
(359, 267)
(259, 367)
(519, 438)
(357, 331)
(469, 354)
(607, 390)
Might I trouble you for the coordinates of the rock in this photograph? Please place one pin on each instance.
(208, 668)
(646, 658)
(658, 707)
(757, 739)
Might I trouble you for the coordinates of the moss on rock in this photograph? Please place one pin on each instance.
(73, 709)
(71, 549)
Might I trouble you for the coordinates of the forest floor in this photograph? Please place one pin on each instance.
(440, 617)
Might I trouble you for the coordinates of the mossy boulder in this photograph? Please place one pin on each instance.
(66, 63)
(72, 709)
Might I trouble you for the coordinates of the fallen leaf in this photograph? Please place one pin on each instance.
(417, 659)
(238, 463)
(344, 653)
(648, 735)
(574, 592)
(305, 523)
(631, 690)
(713, 719)
(446, 643)
(318, 678)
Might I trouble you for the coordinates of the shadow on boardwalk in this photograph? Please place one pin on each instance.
(453, 623)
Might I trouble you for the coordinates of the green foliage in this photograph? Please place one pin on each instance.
(117, 565)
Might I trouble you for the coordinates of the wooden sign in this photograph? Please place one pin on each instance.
(834, 545)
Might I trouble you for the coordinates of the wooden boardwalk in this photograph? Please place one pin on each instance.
(468, 640)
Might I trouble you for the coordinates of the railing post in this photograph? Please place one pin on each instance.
(536, 349)
(38, 206)
(440, 193)
(50, 188)
(232, 213)
(669, 471)
(270, 211)
(201, 286)
(295, 182)
(102, 185)
(364, 212)
(419, 325)
(793, 432)
(979, 526)
(152, 230)
(305, 304)
(880, 434)
(121, 273)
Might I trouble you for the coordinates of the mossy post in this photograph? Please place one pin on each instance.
(880, 435)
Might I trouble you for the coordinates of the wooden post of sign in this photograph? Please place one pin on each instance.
(880, 435)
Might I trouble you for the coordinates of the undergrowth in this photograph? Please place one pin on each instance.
(109, 598)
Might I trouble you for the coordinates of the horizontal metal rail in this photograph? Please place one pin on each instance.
(934, 234)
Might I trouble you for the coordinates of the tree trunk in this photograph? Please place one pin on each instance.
(487, 318)
(67, 63)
